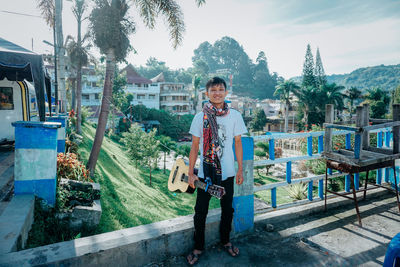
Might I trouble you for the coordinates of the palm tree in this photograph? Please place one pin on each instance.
(196, 86)
(307, 99)
(333, 95)
(110, 28)
(352, 95)
(79, 56)
(284, 90)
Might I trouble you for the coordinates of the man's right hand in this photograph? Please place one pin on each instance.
(192, 178)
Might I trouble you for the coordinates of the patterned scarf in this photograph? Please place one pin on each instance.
(212, 150)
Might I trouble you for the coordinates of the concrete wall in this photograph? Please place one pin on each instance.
(154, 242)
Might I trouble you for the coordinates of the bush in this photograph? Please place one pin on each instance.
(68, 166)
(297, 191)
(85, 113)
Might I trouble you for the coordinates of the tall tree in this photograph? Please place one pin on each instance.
(78, 54)
(379, 101)
(396, 95)
(150, 149)
(133, 140)
(111, 27)
(352, 94)
(308, 69)
(285, 90)
(307, 99)
(320, 77)
(263, 82)
(166, 145)
(259, 120)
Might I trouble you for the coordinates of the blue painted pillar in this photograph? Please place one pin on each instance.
(35, 167)
(330, 171)
(60, 132)
(309, 146)
(321, 189)
(347, 183)
(310, 191)
(243, 198)
(271, 149)
(273, 197)
(348, 141)
(387, 144)
(357, 181)
(320, 144)
(379, 171)
(289, 172)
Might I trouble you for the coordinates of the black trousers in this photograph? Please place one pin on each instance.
(201, 210)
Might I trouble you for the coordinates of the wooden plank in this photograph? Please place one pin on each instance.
(365, 122)
(329, 116)
(343, 127)
(380, 150)
(359, 123)
(340, 158)
(379, 160)
(382, 125)
(379, 120)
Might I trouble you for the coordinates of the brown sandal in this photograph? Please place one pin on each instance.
(230, 249)
(193, 256)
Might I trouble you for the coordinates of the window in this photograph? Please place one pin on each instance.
(96, 96)
(271, 111)
(6, 98)
(152, 96)
(141, 96)
(85, 97)
(173, 97)
(94, 84)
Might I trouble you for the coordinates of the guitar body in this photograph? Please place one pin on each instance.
(178, 181)
(175, 180)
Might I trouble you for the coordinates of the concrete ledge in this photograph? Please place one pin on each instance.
(15, 223)
(314, 207)
(144, 244)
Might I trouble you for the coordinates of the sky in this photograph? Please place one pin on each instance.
(349, 33)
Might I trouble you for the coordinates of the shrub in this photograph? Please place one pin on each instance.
(85, 113)
(297, 191)
(68, 166)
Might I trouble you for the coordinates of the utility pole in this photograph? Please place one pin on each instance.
(60, 54)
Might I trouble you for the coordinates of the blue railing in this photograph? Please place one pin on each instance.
(384, 136)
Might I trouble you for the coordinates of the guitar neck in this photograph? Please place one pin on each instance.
(198, 184)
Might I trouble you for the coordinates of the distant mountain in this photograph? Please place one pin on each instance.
(385, 77)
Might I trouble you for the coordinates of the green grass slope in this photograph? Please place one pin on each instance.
(127, 199)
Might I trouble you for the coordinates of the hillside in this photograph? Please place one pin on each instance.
(126, 197)
(385, 77)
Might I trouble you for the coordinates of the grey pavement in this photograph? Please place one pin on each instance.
(331, 238)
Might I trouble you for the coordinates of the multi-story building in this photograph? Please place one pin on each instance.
(92, 87)
(144, 91)
(174, 98)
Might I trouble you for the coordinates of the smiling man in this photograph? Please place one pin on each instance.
(213, 131)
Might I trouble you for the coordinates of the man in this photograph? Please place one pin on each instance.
(213, 130)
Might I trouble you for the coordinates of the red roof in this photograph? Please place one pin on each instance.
(133, 77)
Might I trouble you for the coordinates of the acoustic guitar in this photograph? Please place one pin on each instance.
(178, 181)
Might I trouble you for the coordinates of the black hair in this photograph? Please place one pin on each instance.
(215, 81)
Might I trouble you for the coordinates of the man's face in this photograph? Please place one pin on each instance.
(217, 94)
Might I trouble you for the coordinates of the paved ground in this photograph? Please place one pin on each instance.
(325, 239)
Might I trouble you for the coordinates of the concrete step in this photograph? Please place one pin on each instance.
(15, 223)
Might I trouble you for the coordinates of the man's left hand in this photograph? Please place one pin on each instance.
(239, 177)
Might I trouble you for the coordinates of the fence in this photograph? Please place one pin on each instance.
(384, 137)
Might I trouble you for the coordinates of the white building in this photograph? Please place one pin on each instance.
(143, 90)
(174, 98)
(92, 87)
